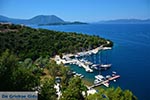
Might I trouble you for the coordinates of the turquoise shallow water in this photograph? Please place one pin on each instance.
(130, 56)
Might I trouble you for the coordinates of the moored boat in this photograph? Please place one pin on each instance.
(105, 66)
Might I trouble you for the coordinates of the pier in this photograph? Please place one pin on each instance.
(73, 61)
(105, 83)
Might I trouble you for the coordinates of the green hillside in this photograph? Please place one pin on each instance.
(27, 42)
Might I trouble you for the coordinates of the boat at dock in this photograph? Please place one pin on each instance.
(108, 76)
(86, 62)
(100, 77)
(79, 75)
(105, 66)
(101, 80)
(95, 66)
(106, 84)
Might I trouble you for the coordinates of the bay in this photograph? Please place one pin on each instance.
(130, 56)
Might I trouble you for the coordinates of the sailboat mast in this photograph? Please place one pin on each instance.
(100, 62)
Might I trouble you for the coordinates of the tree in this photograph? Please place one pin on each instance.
(112, 94)
(26, 42)
(74, 90)
(24, 80)
(8, 64)
(15, 76)
(48, 92)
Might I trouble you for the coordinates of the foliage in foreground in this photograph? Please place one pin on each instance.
(74, 90)
(25, 76)
(112, 94)
(15, 77)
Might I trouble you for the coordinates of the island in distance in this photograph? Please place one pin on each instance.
(39, 20)
(125, 21)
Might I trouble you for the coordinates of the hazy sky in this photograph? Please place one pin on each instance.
(77, 10)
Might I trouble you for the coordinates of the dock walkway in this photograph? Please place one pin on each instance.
(106, 81)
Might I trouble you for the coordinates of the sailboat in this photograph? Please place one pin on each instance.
(106, 65)
(100, 79)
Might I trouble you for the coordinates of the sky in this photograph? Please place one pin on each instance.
(77, 10)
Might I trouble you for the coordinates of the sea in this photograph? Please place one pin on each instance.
(130, 55)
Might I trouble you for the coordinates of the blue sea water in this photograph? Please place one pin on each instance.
(130, 56)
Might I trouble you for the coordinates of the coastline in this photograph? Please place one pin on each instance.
(73, 58)
(64, 57)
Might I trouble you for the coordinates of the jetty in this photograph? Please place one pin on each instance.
(73, 61)
(106, 82)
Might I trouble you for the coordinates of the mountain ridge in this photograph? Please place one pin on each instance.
(39, 19)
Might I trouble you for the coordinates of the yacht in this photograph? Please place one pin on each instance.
(99, 79)
(105, 66)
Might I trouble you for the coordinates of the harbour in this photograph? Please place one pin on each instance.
(88, 66)
(128, 58)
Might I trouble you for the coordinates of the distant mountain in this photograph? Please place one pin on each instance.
(126, 21)
(4, 19)
(45, 19)
(40, 19)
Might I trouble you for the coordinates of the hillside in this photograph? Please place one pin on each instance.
(40, 19)
(45, 19)
(28, 42)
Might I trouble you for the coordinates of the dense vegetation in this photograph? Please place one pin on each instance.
(26, 42)
(25, 64)
(40, 75)
(112, 94)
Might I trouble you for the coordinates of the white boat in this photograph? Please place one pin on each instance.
(105, 65)
(108, 76)
(89, 63)
(106, 84)
(95, 66)
(73, 72)
(97, 81)
(106, 48)
(100, 78)
(113, 72)
(81, 76)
